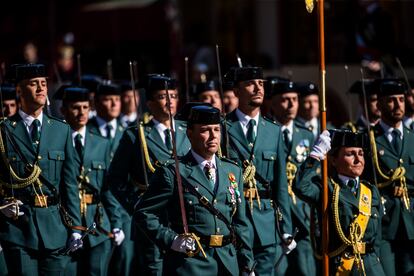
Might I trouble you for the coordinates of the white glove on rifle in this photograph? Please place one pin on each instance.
(288, 243)
(183, 244)
(75, 242)
(119, 236)
(248, 273)
(321, 146)
(11, 208)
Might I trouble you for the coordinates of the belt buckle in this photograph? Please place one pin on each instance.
(216, 240)
(40, 201)
(359, 248)
(88, 198)
(204, 200)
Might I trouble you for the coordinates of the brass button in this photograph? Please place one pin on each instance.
(271, 157)
(39, 157)
(99, 167)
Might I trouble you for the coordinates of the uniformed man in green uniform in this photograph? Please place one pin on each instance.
(8, 96)
(108, 109)
(129, 104)
(256, 144)
(394, 167)
(297, 140)
(38, 183)
(147, 147)
(213, 204)
(208, 92)
(97, 204)
(355, 204)
(370, 86)
(309, 107)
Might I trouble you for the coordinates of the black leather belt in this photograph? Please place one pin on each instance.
(38, 201)
(264, 194)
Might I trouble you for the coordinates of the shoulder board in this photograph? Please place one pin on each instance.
(228, 160)
(57, 119)
(301, 126)
(271, 121)
(371, 186)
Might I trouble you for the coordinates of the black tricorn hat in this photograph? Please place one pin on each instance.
(108, 88)
(307, 88)
(388, 87)
(347, 138)
(29, 71)
(205, 115)
(370, 86)
(246, 74)
(156, 82)
(206, 86)
(278, 85)
(184, 112)
(8, 92)
(91, 82)
(72, 93)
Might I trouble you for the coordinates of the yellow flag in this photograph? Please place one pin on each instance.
(309, 5)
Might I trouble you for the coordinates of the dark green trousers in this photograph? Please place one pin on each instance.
(265, 257)
(90, 261)
(397, 257)
(3, 265)
(123, 257)
(301, 260)
(24, 261)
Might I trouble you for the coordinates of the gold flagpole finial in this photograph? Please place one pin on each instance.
(309, 5)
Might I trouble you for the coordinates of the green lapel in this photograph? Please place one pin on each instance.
(154, 137)
(263, 134)
(223, 177)
(180, 136)
(382, 141)
(406, 142)
(46, 132)
(93, 126)
(346, 195)
(20, 133)
(235, 130)
(192, 171)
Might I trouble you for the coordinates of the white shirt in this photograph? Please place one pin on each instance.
(161, 128)
(28, 120)
(245, 119)
(289, 127)
(388, 131)
(102, 126)
(345, 180)
(314, 123)
(202, 163)
(82, 132)
(127, 119)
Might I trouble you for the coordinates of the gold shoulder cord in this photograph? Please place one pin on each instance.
(249, 181)
(145, 147)
(32, 179)
(290, 174)
(392, 175)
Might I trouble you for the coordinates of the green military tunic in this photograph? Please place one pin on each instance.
(308, 186)
(40, 231)
(127, 181)
(104, 209)
(301, 260)
(269, 159)
(162, 195)
(398, 222)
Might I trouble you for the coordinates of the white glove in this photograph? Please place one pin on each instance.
(321, 146)
(119, 236)
(11, 208)
(288, 243)
(183, 244)
(248, 273)
(75, 242)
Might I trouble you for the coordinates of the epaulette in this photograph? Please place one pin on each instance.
(225, 159)
(271, 121)
(57, 119)
(301, 126)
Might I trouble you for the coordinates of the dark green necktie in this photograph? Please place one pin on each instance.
(35, 133)
(168, 141)
(352, 184)
(288, 143)
(209, 171)
(396, 140)
(251, 136)
(108, 129)
(78, 146)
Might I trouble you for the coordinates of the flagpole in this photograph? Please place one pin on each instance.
(322, 107)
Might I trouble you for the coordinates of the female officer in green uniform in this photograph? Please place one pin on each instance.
(355, 206)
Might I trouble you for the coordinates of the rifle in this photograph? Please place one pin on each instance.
(187, 81)
(180, 183)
